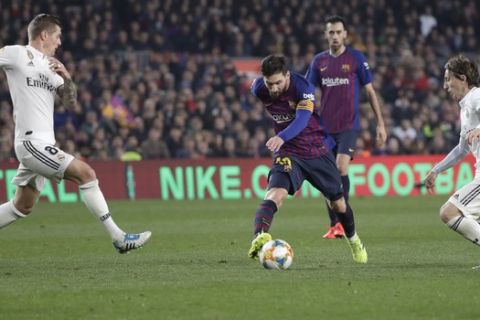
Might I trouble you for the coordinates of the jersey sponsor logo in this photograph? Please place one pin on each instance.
(43, 83)
(280, 118)
(309, 96)
(345, 67)
(333, 82)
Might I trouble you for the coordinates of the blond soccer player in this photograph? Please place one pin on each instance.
(35, 77)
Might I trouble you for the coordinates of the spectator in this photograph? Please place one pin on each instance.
(154, 147)
(160, 66)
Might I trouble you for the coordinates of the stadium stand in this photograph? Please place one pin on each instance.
(157, 79)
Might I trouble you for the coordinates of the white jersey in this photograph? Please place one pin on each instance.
(33, 88)
(470, 119)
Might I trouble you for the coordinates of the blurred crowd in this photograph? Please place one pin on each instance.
(157, 79)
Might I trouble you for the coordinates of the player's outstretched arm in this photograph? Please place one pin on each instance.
(452, 158)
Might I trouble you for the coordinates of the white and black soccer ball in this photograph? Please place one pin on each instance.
(276, 254)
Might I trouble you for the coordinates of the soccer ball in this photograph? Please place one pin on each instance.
(276, 254)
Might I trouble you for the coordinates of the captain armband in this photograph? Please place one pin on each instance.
(305, 105)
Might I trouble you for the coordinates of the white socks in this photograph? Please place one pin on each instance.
(468, 228)
(93, 198)
(95, 202)
(8, 214)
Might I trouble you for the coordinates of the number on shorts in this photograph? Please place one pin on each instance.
(53, 151)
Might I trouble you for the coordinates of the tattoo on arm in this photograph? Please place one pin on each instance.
(68, 93)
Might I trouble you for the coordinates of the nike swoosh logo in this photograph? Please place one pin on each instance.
(323, 69)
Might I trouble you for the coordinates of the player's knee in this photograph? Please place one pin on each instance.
(80, 172)
(343, 161)
(276, 195)
(339, 205)
(87, 174)
(448, 211)
(343, 169)
(90, 173)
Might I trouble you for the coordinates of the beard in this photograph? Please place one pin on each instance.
(275, 94)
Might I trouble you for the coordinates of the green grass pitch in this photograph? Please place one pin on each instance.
(59, 264)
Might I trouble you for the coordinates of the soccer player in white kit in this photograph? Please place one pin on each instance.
(461, 212)
(34, 78)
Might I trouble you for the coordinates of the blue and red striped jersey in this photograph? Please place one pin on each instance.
(311, 142)
(340, 80)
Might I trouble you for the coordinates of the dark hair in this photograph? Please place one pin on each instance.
(275, 63)
(335, 19)
(42, 22)
(461, 65)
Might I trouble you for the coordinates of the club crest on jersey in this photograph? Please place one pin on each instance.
(285, 162)
(345, 67)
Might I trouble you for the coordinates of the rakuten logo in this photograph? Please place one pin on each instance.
(333, 82)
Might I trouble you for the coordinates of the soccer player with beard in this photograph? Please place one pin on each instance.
(35, 77)
(340, 72)
(301, 151)
(461, 212)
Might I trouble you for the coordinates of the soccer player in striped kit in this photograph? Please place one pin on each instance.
(461, 212)
(302, 151)
(35, 77)
(340, 72)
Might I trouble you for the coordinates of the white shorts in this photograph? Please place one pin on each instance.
(467, 199)
(38, 161)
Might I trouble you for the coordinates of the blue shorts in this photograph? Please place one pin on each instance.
(346, 142)
(289, 173)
